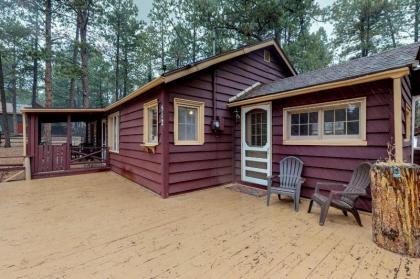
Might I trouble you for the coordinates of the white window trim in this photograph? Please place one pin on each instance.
(146, 131)
(322, 139)
(111, 117)
(200, 121)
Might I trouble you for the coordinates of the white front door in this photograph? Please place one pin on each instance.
(256, 143)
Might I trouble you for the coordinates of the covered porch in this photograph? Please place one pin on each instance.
(65, 141)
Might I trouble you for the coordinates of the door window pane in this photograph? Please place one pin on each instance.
(256, 127)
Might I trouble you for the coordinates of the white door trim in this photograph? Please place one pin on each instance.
(266, 148)
(415, 145)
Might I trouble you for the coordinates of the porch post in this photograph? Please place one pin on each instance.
(398, 120)
(69, 137)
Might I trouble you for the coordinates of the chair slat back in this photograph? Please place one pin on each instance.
(359, 182)
(290, 172)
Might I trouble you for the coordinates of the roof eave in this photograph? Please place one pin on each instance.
(392, 74)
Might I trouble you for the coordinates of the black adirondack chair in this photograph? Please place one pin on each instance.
(344, 200)
(290, 180)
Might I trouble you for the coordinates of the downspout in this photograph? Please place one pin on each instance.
(214, 93)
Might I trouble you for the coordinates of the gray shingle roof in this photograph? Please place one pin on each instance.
(387, 60)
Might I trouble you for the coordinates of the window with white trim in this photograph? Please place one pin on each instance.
(150, 123)
(114, 132)
(335, 123)
(188, 122)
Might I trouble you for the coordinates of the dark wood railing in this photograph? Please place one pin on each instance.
(89, 156)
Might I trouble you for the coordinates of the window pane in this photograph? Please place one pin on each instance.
(340, 115)
(303, 130)
(153, 119)
(313, 117)
(329, 128)
(353, 128)
(340, 128)
(313, 129)
(187, 123)
(295, 130)
(329, 116)
(352, 113)
(303, 118)
(295, 118)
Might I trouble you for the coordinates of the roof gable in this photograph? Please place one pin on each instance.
(386, 61)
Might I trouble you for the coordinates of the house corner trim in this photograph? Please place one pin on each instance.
(398, 132)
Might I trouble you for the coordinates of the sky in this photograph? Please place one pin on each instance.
(145, 6)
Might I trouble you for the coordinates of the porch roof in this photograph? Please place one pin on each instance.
(392, 63)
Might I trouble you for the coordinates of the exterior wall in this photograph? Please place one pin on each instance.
(333, 163)
(197, 166)
(133, 161)
(406, 102)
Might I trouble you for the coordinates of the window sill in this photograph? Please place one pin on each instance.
(150, 147)
(349, 142)
(114, 151)
(188, 143)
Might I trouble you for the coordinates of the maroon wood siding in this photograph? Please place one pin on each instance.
(333, 163)
(193, 167)
(132, 161)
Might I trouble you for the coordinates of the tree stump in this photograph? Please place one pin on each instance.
(396, 207)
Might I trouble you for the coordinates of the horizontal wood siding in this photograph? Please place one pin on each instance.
(210, 164)
(333, 163)
(132, 161)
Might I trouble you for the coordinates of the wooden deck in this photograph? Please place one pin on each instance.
(104, 226)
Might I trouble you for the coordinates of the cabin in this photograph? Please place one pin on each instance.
(232, 117)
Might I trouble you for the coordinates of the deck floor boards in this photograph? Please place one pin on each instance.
(102, 225)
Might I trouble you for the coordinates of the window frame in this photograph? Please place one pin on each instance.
(146, 129)
(321, 138)
(114, 139)
(200, 106)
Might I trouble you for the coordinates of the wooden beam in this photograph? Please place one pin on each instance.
(24, 134)
(396, 73)
(164, 139)
(69, 142)
(398, 132)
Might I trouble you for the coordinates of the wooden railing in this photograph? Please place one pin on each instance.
(89, 156)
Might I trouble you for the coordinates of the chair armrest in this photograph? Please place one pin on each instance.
(342, 193)
(270, 179)
(329, 186)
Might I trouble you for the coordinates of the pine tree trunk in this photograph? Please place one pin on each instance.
(48, 54)
(35, 59)
(117, 63)
(416, 20)
(3, 107)
(396, 208)
(84, 53)
(72, 92)
(14, 93)
(48, 67)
